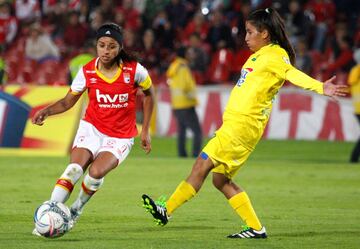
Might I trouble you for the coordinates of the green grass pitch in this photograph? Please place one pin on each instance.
(305, 193)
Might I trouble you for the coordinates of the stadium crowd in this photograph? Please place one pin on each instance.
(39, 38)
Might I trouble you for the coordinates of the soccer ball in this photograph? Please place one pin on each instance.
(52, 219)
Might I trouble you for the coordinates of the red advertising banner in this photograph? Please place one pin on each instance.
(296, 114)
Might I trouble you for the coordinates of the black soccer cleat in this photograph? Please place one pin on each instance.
(158, 210)
(249, 233)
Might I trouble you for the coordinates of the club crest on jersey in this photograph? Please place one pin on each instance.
(244, 73)
(126, 77)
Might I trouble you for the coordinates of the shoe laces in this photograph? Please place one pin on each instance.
(161, 201)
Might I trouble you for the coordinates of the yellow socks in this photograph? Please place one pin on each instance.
(183, 193)
(242, 205)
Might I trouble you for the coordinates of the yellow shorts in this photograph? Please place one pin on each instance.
(226, 154)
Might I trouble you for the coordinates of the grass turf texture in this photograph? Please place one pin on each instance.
(305, 193)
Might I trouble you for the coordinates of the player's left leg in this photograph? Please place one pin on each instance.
(240, 202)
(93, 181)
(112, 152)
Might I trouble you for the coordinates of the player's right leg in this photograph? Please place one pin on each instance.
(66, 182)
(240, 202)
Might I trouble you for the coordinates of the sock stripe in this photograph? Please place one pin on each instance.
(86, 190)
(65, 184)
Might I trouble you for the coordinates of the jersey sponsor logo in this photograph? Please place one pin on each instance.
(93, 80)
(112, 101)
(90, 71)
(126, 78)
(107, 98)
(108, 32)
(244, 73)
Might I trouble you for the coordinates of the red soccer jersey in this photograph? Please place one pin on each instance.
(111, 107)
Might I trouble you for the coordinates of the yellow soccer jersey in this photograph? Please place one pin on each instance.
(354, 82)
(250, 101)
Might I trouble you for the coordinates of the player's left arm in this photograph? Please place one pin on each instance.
(328, 88)
(144, 81)
(282, 67)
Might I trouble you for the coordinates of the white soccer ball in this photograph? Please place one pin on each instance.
(52, 219)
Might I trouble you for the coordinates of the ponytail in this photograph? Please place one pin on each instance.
(270, 20)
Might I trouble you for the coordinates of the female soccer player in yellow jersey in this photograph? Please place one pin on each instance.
(244, 121)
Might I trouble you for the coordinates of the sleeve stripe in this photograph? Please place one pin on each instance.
(146, 84)
(74, 93)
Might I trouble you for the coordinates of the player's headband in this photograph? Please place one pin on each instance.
(109, 32)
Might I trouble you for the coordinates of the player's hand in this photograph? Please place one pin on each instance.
(145, 141)
(332, 90)
(40, 117)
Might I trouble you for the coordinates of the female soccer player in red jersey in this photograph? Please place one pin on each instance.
(244, 121)
(106, 133)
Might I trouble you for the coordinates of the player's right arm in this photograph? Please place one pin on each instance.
(77, 88)
(60, 106)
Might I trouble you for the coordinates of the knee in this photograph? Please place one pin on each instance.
(218, 183)
(97, 172)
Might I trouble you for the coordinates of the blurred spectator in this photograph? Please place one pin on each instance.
(75, 33)
(130, 15)
(220, 68)
(340, 57)
(131, 41)
(303, 58)
(96, 20)
(219, 31)
(84, 16)
(27, 11)
(39, 46)
(183, 101)
(8, 25)
(163, 30)
(152, 9)
(139, 5)
(354, 82)
(87, 53)
(176, 12)
(56, 19)
(197, 25)
(357, 33)
(241, 16)
(150, 57)
(197, 57)
(324, 13)
(241, 55)
(107, 10)
(296, 21)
